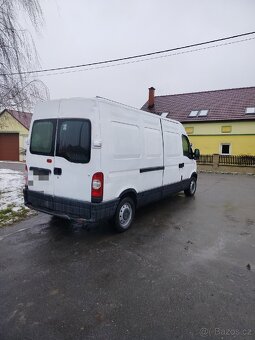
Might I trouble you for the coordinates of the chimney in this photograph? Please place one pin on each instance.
(151, 98)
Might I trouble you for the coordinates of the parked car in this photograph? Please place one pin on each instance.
(94, 159)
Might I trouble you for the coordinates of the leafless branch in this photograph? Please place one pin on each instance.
(18, 53)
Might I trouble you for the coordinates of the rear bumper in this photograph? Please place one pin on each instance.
(69, 208)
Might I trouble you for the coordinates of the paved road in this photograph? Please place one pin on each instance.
(180, 269)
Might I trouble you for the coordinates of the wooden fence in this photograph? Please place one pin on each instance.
(237, 160)
(227, 163)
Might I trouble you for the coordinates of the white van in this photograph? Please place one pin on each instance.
(92, 159)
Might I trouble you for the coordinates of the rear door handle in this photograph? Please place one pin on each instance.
(181, 165)
(57, 171)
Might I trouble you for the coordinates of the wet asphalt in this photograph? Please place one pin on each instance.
(185, 270)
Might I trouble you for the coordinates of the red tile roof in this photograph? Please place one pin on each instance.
(23, 117)
(222, 105)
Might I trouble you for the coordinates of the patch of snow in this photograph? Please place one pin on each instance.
(16, 209)
(11, 186)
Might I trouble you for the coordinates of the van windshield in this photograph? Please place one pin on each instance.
(43, 137)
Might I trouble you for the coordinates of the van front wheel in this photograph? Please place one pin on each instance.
(192, 187)
(124, 214)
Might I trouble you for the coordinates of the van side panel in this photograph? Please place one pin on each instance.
(121, 150)
(151, 166)
(131, 147)
(172, 152)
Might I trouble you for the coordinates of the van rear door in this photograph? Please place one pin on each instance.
(72, 158)
(40, 156)
(75, 159)
(61, 159)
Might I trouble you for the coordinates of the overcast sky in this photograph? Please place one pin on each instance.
(83, 31)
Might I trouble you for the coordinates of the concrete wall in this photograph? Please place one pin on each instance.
(208, 137)
(9, 124)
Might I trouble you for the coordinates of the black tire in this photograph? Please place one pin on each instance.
(124, 214)
(192, 187)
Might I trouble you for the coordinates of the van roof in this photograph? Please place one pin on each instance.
(133, 108)
(109, 101)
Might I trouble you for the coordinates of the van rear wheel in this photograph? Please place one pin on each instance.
(124, 215)
(192, 187)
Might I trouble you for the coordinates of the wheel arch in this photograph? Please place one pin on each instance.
(129, 193)
(194, 174)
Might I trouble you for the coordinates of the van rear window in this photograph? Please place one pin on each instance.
(43, 137)
(74, 140)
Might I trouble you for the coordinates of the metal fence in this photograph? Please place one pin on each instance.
(237, 160)
(205, 159)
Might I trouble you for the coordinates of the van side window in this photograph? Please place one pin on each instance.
(43, 137)
(187, 151)
(74, 140)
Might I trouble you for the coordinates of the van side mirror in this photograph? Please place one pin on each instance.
(196, 154)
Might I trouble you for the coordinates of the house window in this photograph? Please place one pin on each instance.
(193, 113)
(203, 113)
(226, 129)
(198, 113)
(250, 111)
(189, 130)
(225, 149)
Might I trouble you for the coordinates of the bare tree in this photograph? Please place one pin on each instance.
(18, 54)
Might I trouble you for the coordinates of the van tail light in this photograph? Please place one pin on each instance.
(26, 176)
(97, 187)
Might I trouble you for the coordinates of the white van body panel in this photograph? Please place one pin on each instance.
(47, 110)
(76, 178)
(131, 140)
(172, 151)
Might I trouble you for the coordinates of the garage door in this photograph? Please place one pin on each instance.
(9, 146)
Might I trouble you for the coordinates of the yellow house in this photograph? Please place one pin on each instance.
(14, 127)
(217, 122)
(231, 137)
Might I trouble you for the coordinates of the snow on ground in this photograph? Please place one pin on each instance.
(11, 185)
(11, 196)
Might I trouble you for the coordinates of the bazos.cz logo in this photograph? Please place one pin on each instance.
(205, 332)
